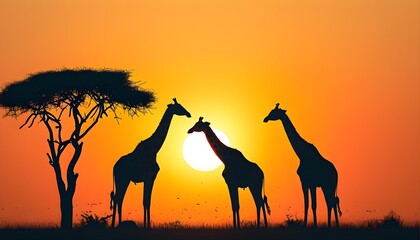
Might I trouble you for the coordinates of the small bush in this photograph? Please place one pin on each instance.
(392, 220)
(94, 221)
(293, 221)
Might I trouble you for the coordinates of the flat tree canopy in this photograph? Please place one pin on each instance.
(53, 89)
(82, 95)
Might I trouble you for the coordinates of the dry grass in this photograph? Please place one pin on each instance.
(93, 227)
(169, 231)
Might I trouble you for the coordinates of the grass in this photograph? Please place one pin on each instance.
(93, 227)
(346, 232)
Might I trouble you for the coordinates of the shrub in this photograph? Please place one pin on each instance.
(391, 220)
(94, 221)
(293, 221)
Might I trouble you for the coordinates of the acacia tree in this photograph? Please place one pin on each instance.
(70, 103)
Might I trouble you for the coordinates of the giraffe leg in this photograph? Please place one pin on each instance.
(234, 219)
(336, 216)
(306, 204)
(265, 217)
(259, 203)
(147, 195)
(121, 186)
(114, 208)
(233, 192)
(331, 201)
(119, 213)
(238, 220)
(329, 215)
(329, 207)
(331, 204)
(313, 199)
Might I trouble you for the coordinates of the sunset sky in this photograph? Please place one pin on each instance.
(347, 72)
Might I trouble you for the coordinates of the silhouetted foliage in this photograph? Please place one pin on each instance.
(57, 89)
(293, 221)
(94, 221)
(82, 96)
(392, 220)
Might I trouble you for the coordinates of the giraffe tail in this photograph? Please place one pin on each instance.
(112, 200)
(266, 205)
(112, 195)
(337, 201)
(266, 200)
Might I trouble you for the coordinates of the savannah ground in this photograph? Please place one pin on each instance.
(346, 232)
(95, 228)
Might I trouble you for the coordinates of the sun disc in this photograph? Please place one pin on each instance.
(198, 153)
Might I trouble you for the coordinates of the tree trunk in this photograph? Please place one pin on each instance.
(66, 203)
(66, 207)
(66, 195)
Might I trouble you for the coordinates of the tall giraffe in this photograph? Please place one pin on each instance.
(141, 166)
(238, 173)
(314, 170)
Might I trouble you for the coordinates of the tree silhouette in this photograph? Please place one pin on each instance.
(70, 103)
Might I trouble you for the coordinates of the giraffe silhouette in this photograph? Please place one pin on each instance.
(141, 166)
(238, 173)
(314, 170)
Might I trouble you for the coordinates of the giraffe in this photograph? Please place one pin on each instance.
(238, 173)
(141, 166)
(314, 170)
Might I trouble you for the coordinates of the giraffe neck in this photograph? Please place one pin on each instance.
(218, 147)
(299, 145)
(158, 137)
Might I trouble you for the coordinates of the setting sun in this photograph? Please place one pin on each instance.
(198, 153)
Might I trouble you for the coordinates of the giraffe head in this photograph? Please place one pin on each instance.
(275, 114)
(199, 126)
(178, 109)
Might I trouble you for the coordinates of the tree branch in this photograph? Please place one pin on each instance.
(77, 123)
(91, 113)
(89, 128)
(54, 160)
(98, 110)
(60, 139)
(33, 117)
(51, 141)
(71, 176)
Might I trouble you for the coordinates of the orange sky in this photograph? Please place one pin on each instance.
(347, 72)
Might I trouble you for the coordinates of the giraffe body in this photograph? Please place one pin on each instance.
(314, 170)
(141, 165)
(239, 172)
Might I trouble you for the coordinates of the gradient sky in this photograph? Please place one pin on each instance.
(347, 72)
